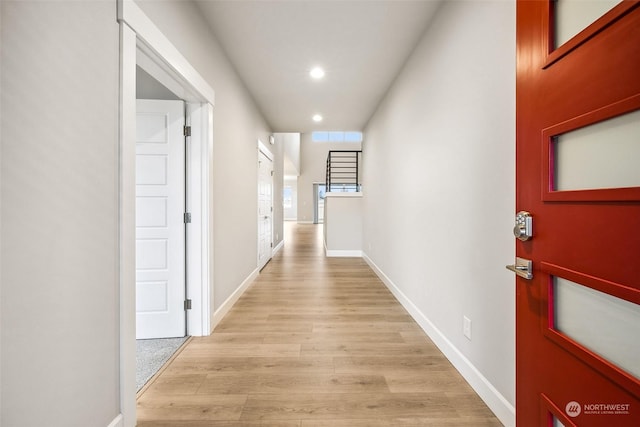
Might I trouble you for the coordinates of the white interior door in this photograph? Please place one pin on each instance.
(160, 231)
(265, 208)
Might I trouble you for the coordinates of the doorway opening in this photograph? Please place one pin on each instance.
(161, 203)
(265, 205)
(143, 44)
(319, 191)
(290, 199)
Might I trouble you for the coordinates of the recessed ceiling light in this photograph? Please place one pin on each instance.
(317, 118)
(317, 73)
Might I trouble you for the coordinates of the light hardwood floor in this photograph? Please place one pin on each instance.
(313, 342)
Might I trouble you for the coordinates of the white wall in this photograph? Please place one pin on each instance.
(291, 142)
(343, 224)
(439, 189)
(237, 127)
(59, 233)
(313, 163)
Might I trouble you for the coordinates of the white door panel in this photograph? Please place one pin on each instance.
(152, 211)
(151, 169)
(160, 234)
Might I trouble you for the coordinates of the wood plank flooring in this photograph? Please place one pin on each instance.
(314, 342)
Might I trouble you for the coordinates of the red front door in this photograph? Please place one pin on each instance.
(578, 317)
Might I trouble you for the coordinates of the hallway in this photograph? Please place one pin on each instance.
(314, 341)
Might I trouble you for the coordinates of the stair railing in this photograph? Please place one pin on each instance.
(343, 171)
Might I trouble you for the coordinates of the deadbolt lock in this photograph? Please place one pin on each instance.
(523, 229)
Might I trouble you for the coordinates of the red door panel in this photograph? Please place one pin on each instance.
(590, 237)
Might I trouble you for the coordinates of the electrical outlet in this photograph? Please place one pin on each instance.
(466, 327)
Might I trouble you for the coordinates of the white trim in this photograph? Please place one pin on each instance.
(343, 194)
(262, 148)
(305, 222)
(127, 225)
(500, 406)
(164, 75)
(341, 253)
(199, 244)
(160, 46)
(117, 421)
(277, 248)
(265, 150)
(219, 314)
(337, 253)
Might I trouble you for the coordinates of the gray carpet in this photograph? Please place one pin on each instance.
(151, 355)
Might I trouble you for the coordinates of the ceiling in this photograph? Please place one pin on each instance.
(361, 44)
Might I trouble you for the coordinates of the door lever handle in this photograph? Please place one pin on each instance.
(522, 267)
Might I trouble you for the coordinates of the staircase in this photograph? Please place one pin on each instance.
(343, 171)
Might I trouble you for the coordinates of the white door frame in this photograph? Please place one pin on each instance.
(142, 43)
(262, 148)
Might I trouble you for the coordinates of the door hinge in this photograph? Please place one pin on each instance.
(271, 173)
(187, 304)
(271, 208)
(271, 244)
(187, 217)
(187, 131)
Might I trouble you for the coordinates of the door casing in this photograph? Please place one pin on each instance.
(143, 44)
(263, 150)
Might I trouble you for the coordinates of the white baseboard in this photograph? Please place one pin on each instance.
(500, 406)
(305, 222)
(117, 421)
(226, 306)
(341, 253)
(277, 248)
